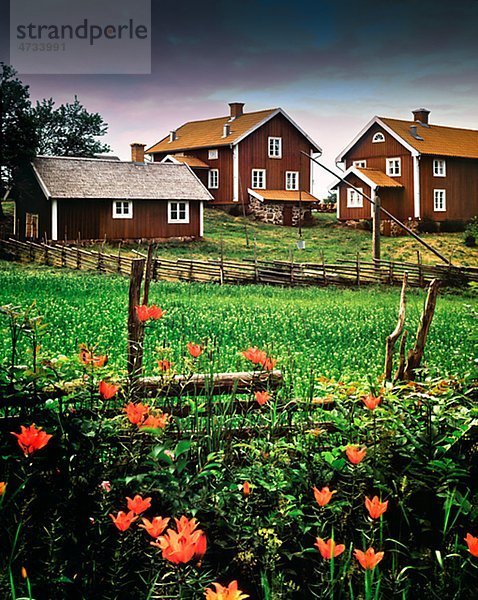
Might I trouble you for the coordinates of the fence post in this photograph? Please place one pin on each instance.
(147, 274)
(221, 264)
(358, 269)
(420, 273)
(135, 327)
(256, 272)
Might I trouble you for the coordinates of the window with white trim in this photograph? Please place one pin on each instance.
(31, 225)
(275, 147)
(378, 137)
(122, 209)
(362, 164)
(212, 154)
(292, 180)
(213, 179)
(178, 212)
(439, 168)
(354, 198)
(258, 179)
(393, 168)
(439, 200)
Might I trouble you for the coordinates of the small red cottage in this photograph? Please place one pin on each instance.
(252, 159)
(418, 169)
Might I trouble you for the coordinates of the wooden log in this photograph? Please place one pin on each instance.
(135, 327)
(148, 273)
(393, 337)
(401, 359)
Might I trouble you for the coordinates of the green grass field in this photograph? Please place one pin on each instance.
(313, 331)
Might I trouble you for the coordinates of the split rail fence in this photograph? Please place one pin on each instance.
(343, 272)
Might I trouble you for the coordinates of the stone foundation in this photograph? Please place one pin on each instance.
(391, 229)
(273, 212)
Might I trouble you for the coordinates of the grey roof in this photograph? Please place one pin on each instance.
(95, 178)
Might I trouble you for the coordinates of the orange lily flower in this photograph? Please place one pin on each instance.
(87, 357)
(137, 505)
(146, 313)
(195, 350)
(107, 390)
(472, 543)
(123, 520)
(231, 592)
(324, 496)
(186, 544)
(155, 421)
(155, 527)
(329, 548)
(246, 488)
(255, 355)
(164, 365)
(262, 397)
(355, 454)
(3, 487)
(136, 413)
(368, 559)
(31, 439)
(371, 402)
(268, 364)
(375, 507)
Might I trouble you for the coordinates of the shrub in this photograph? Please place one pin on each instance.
(470, 236)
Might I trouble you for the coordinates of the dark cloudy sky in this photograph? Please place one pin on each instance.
(330, 65)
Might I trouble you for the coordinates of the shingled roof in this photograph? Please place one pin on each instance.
(92, 178)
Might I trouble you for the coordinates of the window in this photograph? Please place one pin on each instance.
(275, 147)
(354, 198)
(362, 164)
(178, 212)
(213, 179)
(212, 154)
(393, 167)
(439, 200)
(122, 209)
(258, 179)
(31, 225)
(292, 180)
(378, 137)
(439, 168)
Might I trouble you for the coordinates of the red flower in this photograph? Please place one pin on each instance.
(329, 548)
(136, 413)
(122, 520)
(107, 390)
(145, 313)
(137, 505)
(183, 545)
(268, 364)
(259, 357)
(472, 543)
(375, 507)
(87, 357)
(262, 397)
(31, 439)
(355, 454)
(3, 487)
(158, 421)
(195, 350)
(368, 559)
(164, 365)
(371, 402)
(246, 488)
(156, 313)
(324, 496)
(231, 592)
(155, 527)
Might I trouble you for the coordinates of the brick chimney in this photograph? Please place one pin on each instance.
(137, 152)
(421, 115)
(236, 109)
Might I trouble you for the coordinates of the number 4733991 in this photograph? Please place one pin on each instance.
(41, 47)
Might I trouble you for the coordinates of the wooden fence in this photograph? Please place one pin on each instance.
(344, 272)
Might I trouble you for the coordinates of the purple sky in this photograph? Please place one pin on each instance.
(331, 65)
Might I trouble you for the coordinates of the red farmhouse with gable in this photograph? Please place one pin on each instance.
(252, 159)
(419, 170)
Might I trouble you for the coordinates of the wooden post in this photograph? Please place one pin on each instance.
(147, 275)
(135, 327)
(78, 255)
(221, 265)
(256, 274)
(376, 230)
(393, 337)
(358, 269)
(420, 274)
(119, 257)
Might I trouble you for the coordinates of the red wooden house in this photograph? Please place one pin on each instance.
(252, 159)
(418, 169)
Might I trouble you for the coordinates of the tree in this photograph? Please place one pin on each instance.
(69, 130)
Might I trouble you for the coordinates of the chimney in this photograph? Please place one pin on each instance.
(236, 109)
(227, 130)
(413, 132)
(172, 136)
(137, 152)
(421, 115)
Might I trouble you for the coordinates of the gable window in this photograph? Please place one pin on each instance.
(361, 164)
(31, 225)
(258, 179)
(178, 212)
(213, 179)
(439, 168)
(275, 147)
(212, 154)
(122, 209)
(378, 137)
(354, 198)
(393, 167)
(292, 180)
(439, 200)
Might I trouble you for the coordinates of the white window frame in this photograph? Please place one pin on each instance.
(439, 167)
(378, 137)
(118, 209)
(361, 164)
(275, 147)
(213, 154)
(258, 177)
(393, 167)
(213, 179)
(174, 208)
(439, 200)
(354, 198)
(292, 180)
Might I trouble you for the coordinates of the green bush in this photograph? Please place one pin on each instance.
(470, 236)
